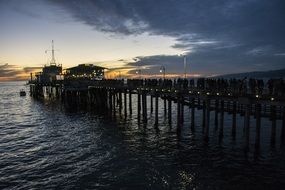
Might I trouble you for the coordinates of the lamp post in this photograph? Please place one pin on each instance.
(162, 70)
(139, 72)
(185, 64)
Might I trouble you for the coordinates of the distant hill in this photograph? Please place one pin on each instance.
(258, 74)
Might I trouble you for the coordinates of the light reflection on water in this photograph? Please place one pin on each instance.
(43, 145)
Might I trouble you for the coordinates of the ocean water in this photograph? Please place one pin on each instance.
(44, 145)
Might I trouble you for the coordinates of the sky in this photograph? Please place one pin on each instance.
(217, 37)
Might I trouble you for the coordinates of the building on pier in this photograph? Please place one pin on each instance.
(85, 71)
(51, 72)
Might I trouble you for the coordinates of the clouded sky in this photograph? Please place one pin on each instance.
(222, 36)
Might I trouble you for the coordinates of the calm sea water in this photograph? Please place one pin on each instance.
(45, 146)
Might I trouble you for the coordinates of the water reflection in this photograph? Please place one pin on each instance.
(46, 144)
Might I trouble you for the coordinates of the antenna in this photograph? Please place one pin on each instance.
(52, 61)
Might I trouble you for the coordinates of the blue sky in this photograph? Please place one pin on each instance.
(218, 37)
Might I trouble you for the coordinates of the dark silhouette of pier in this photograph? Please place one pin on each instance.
(235, 96)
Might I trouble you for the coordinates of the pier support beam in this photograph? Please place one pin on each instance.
(216, 114)
(234, 119)
(130, 102)
(156, 110)
(139, 106)
(169, 111)
(207, 118)
(247, 125)
(273, 128)
(283, 127)
(125, 103)
(144, 106)
(221, 128)
(193, 114)
(258, 125)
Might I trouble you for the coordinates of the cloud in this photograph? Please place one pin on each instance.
(14, 72)
(226, 33)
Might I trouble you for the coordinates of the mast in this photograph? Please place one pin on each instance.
(52, 62)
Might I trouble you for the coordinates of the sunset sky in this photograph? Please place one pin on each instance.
(218, 37)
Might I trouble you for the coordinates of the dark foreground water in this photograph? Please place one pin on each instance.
(45, 146)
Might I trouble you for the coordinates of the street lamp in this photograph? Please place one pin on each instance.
(162, 70)
(139, 72)
(185, 64)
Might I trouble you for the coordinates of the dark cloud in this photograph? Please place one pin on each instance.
(220, 35)
(31, 69)
(14, 72)
(7, 70)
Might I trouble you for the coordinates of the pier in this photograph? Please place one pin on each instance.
(111, 96)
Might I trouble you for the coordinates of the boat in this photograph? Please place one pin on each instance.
(22, 93)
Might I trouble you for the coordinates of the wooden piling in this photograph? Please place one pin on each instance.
(125, 103)
(193, 113)
(139, 106)
(234, 118)
(216, 114)
(273, 128)
(130, 102)
(169, 111)
(207, 118)
(156, 110)
(258, 124)
(247, 125)
(221, 127)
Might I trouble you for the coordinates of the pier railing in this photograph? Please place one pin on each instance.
(250, 99)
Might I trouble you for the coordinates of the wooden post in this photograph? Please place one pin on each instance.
(204, 114)
(165, 107)
(139, 106)
(151, 104)
(273, 129)
(193, 113)
(258, 124)
(156, 110)
(216, 114)
(283, 127)
(207, 119)
(169, 111)
(144, 103)
(114, 101)
(247, 125)
(221, 130)
(125, 102)
(178, 111)
(234, 118)
(120, 102)
(130, 102)
(182, 110)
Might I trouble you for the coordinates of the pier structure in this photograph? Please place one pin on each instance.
(111, 96)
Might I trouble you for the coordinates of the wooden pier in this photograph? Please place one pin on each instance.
(111, 96)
